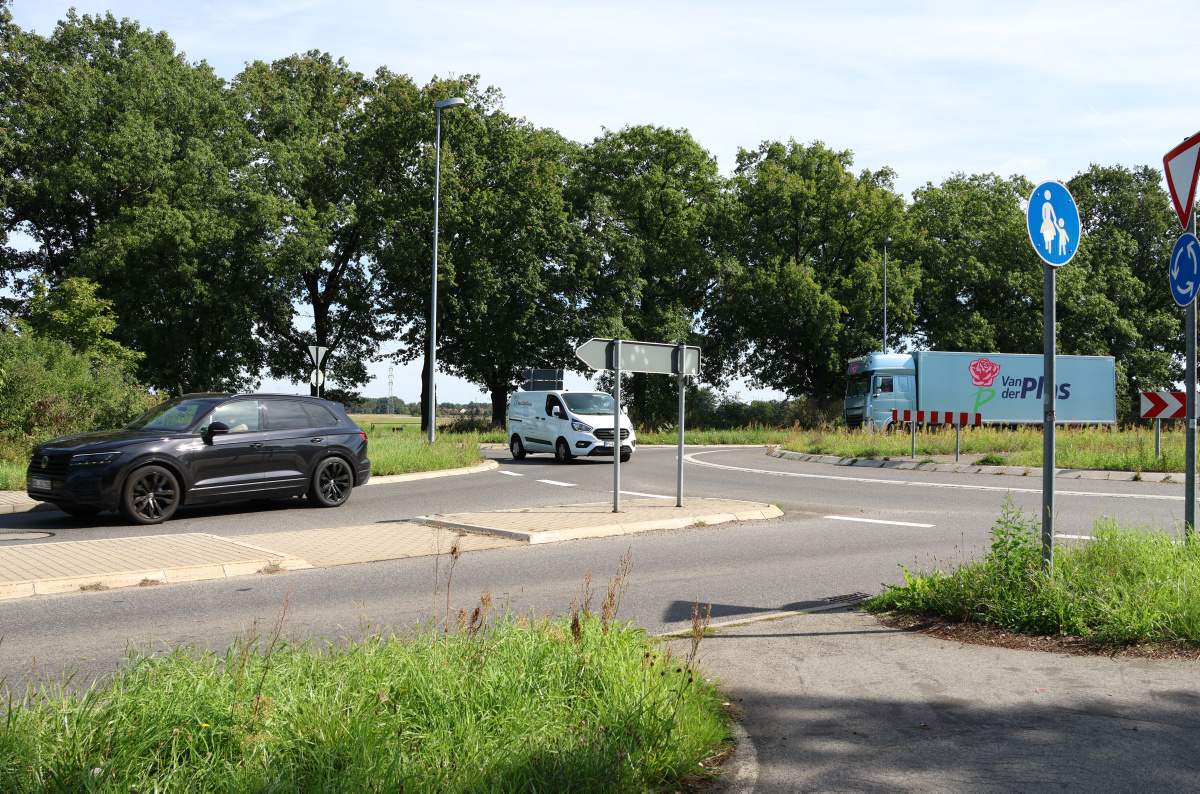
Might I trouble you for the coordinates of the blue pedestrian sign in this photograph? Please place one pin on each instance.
(1053, 221)
(1184, 272)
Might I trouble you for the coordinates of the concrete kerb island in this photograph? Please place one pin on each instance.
(597, 520)
(966, 468)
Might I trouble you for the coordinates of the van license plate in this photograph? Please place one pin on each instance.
(607, 444)
(39, 483)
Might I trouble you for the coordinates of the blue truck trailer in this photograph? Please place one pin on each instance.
(1005, 388)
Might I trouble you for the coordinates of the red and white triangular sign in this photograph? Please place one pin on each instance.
(1182, 166)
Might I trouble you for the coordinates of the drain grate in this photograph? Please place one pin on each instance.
(839, 599)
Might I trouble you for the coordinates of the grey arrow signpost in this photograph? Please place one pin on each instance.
(617, 356)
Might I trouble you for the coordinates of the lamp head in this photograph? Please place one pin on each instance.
(452, 102)
(887, 240)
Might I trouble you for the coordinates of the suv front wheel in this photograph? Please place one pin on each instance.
(149, 496)
(331, 483)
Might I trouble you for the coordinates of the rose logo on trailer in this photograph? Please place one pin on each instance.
(983, 374)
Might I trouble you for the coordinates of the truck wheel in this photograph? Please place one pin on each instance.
(516, 448)
(562, 452)
(332, 483)
(149, 496)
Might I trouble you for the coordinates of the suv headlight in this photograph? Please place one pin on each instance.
(580, 427)
(96, 459)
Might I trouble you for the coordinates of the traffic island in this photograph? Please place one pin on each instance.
(597, 519)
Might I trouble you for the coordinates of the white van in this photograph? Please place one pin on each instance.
(569, 424)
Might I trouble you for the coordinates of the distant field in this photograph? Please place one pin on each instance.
(391, 420)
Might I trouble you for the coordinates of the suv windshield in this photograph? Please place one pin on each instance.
(858, 385)
(584, 403)
(172, 415)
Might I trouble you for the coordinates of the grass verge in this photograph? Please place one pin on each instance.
(1128, 449)
(578, 703)
(12, 475)
(1125, 586)
(402, 453)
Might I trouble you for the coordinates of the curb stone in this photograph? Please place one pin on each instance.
(965, 468)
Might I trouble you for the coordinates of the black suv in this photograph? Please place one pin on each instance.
(205, 448)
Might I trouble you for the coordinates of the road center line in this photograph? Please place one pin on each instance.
(691, 458)
(512, 474)
(877, 521)
(556, 482)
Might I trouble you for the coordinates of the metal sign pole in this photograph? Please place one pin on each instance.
(1157, 439)
(682, 390)
(616, 425)
(957, 440)
(1189, 510)
(912, 426)
(1048, 405)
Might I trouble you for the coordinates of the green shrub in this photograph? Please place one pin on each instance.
(47, 390)
(991, 459)
(1126, 585)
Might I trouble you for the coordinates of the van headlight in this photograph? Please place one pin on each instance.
(580, 427)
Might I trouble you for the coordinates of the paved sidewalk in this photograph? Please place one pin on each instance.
(944, 463)
(836, 702)
(594, 520)
(42, 568)
(19, 502)
(346, 545)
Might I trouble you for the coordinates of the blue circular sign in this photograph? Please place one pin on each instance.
(1184, 272)
(1053, 221)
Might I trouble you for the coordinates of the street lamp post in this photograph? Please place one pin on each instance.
(437, 176)
(886, 242)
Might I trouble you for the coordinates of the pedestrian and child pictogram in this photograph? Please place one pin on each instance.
(1053, 222)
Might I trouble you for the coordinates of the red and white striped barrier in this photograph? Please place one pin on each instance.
(938, 417)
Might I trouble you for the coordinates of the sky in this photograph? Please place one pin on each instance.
(1042, 89)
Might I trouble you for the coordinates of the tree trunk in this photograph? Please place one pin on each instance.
(640, 382)
(499, 404)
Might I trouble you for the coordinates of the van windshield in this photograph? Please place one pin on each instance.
(585, 403)
(858, 385)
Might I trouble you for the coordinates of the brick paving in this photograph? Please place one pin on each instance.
(344, 545)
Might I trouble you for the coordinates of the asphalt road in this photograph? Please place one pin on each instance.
(823, 546)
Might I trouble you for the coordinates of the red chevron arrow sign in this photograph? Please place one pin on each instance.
(1164, 405)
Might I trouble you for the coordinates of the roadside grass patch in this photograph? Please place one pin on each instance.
(1128, 585)
(574, 704)
(12, 474)
(1112, 449)
(991, 459)
(406, 452)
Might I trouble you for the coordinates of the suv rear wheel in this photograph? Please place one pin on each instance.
(332, 483)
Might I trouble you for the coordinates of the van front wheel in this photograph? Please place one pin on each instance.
(516, 448)
(562, 453)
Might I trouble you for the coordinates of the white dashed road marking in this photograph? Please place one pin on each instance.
(512, 474)
(556, 482)
(650, 495)
(691, 458)
(877, 521)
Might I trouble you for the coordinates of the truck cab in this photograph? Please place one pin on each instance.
(876, 385)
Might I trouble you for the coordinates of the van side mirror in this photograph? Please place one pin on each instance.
(625, 410)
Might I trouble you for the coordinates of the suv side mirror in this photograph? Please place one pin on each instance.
(218, 429)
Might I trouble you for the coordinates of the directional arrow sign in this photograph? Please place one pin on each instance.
(639, 357)
(1184, 273)
(1164, 405)
(1182, 166)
